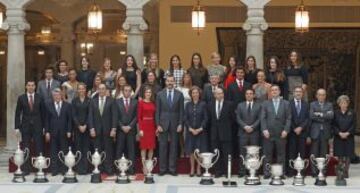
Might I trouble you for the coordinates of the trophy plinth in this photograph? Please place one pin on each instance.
(149, 180)
(18, 178)
(205, 161)
(69, 160)
(252, 162)
(320, 163)
(149, 166)
(95, 178)
(96, 159)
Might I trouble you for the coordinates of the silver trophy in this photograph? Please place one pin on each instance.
(299, 164)
(96, 159)
(276, 172)
(252, 162)
(19, 159)
(320, 163)
(69, 160)
(206, 161)
(40, 163)
(149, 166)
(123, 165)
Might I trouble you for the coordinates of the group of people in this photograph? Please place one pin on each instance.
(176, 111)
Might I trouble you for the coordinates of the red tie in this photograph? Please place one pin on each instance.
(126, 105)
(31, 102)
(240, 85)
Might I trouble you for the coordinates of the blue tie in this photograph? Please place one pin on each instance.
(276, 105)
(169, 97)
(298, 107)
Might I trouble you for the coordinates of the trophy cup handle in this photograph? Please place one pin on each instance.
(88, 156)
(130, 163)
(312, 159)
(217, 154)
(61, 156)
(47, 162)
(33, 161)
(306, 162)
(327, 159)
(291, 164)
(103, 155)
(78, 155)
(116, 163)
(154, 162)
(262, 159)
(197, 157)
(27, 154)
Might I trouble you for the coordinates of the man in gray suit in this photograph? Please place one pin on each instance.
(275, 126)
(248, 119)
(169, 121)
(46, 86)
(321, 115)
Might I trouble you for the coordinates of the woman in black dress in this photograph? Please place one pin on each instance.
(251, 70)
(151, 83)
(197, 71)
(80, 111)
(153, 66)
(344, 124)
(132, 74)
(63, 73)
(85, 74)
(274, 74)
(195, 122)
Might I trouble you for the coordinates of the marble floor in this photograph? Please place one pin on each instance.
(169, 184)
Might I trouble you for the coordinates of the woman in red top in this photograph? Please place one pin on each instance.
(230, 76)
(146, 120)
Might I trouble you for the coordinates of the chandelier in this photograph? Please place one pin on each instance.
(302, 19)
(95, 18)
(198, 17)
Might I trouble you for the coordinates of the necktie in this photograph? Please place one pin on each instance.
(58, 108)
(298, 107)
(219, 110)
(48, 87)
(169, 97)
(101, 106)
(126, 105)
(249, 107)
(240, 85)
(276, 105)
(31, 102)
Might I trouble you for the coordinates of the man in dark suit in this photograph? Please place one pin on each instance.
(236, 90)
(321, 115)
(47, 85)
(299, 127)
(208, 94)
(29, 119)
(103, 124)
(58, 129)
(169, 121)
(221, 116)
(248, 118)
(126, 132)
(275, 126)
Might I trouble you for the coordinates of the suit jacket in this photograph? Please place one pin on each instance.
(58, 124)
(127, 118)
(276, 123)
(25, 118)
(235, 95)
(196, 116)
(302, 119)
(221, 129)
(319, 123)
(169, 116)
(208, 94)
(105, 122)
(43, 91)
(244, 118)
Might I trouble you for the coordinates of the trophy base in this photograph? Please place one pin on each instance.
(95, 178)
(149, 180)
(252, 181)
(320, 182)
(229, 184)
(276, 182)
(41, 180)
(122, 180)
(299, 181)
(340, 182)
(18, 178)
(70, 180)
(206, 181)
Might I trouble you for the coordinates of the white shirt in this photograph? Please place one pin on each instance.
(218, 110)
(58, 106)
(103, 100)
(126, 100)
(240, 82)
(249, 103)
(48, 81)
(31, 95)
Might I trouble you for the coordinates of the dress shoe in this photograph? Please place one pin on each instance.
(192, 175)
(173, 173)
(162, 173)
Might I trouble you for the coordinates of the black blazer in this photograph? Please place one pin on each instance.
(102, 124)
(300, 120)
(221, 129)
(80, 111)
(58, 124)
(344, 122)
(25, 118)
(235, 95)
(195, 116)
(208, 94)
(127, 118)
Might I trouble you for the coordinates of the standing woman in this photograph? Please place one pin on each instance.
(152, 83)
(197, 71)
(216, 68)
(176, 70)
(195, 122)
(146, 121)
(118, 92)
(274, 74)
(153, 66)
(261, 88)
(63, 73)
(251, 70)
(80, 111)
(344, 125)
(85, 74)
(132, 74)
(94, 92)
(230, 72)
(108, 74)
(296, 75)
(70, 87)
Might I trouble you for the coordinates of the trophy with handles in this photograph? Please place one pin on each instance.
(123, 165)
(19, 158)
(69, 160)
(206, 161)
(320, 163)
(149, 165)
(252, 162)
(96, 159)
(299, 164)
(40, 163)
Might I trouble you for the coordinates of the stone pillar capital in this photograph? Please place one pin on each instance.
(255, 22)
(255, 4)
(134, 22)
(15, 21)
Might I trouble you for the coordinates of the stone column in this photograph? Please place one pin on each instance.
(67, 44)
(135, 26)
(255, 25)
(15, 25)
